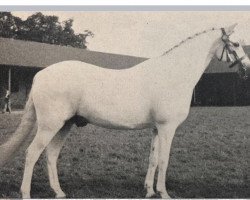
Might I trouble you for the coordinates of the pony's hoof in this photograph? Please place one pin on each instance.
(61, 196)
(165, 196)
(150, 194)
(25, 196)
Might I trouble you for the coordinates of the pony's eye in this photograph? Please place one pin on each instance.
(236, 44)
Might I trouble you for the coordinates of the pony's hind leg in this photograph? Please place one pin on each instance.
(52, 152)
(46, 131)
(153, 163)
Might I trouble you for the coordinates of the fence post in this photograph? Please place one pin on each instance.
(9, 80)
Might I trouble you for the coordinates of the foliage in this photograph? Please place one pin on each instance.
(42, 28)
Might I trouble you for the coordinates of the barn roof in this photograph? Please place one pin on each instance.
(35, 54)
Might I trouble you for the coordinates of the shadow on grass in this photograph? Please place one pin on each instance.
(131, 188)
(127, 188)
(207, 189)
(102, 188)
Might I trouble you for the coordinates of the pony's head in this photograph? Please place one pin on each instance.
(229, 51)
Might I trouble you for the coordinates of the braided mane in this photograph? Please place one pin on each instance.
(187, 39)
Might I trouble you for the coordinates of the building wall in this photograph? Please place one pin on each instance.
(21, 81)
(221, 89)
(19, 98)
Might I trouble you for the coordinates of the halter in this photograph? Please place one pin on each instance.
(229, 51)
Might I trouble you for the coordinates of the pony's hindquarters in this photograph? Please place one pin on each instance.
(53, 108)
(8, 149)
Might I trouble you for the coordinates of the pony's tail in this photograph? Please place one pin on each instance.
(8, 149)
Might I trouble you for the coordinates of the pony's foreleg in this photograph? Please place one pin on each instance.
(44, 135)
(52, 152)
(153, 163)
(166, 134)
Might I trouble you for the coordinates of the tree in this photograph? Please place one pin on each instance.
(42, 28)
(9, 25)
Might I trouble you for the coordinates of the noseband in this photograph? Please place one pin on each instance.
(228, 50)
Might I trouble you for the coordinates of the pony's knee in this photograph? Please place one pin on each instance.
(32, 155)
(51, 156)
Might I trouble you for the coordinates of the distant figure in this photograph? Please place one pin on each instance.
(7, 107)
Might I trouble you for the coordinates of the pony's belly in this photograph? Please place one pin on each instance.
(120, 125)
(121, 110)
(118, 120)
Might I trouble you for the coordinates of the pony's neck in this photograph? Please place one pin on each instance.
(191, 59)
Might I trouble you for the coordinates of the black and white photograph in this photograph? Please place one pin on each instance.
(124, 104)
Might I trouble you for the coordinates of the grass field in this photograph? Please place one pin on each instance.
(209, 159)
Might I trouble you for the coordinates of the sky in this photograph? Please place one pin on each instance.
(148, 34)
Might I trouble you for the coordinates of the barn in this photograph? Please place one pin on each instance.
(21, 60)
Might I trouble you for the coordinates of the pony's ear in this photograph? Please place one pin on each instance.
(229, 30)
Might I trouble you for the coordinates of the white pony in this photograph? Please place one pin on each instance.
(155, 93)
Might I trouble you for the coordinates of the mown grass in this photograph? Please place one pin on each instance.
(209, 159)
